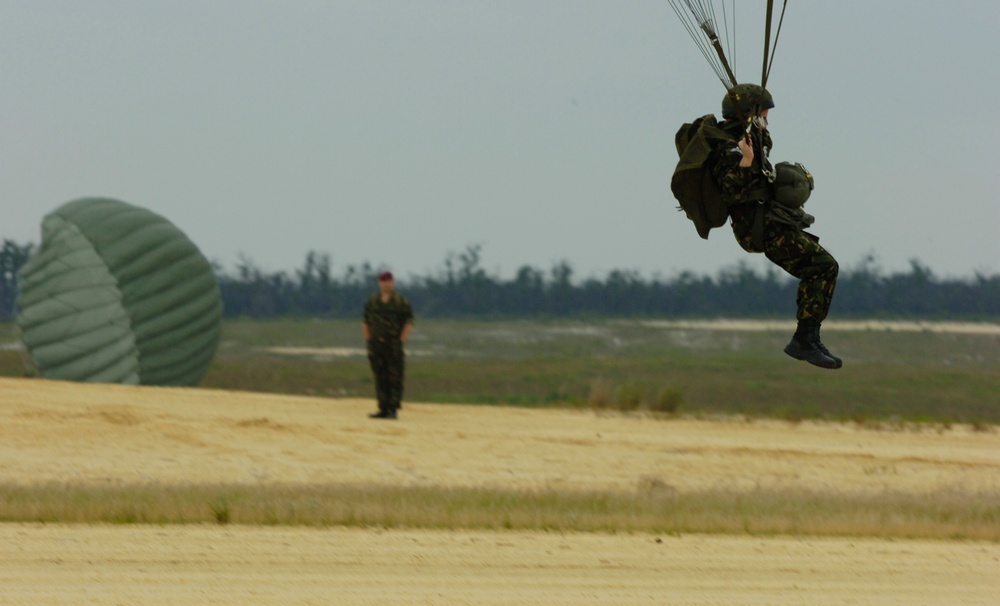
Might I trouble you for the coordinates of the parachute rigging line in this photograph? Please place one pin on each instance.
(732, 45)
(699, 19)
(769, 62)
(702, 17)
(767, 41)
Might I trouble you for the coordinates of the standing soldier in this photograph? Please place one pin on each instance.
(386, 324)
(765, 205)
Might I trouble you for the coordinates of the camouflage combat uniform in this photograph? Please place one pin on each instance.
(781, 237)
(385, 320)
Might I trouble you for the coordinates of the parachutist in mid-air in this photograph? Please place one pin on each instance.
(765, 209)
(724, 173)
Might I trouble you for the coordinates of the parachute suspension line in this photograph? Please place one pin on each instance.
(692, 25)
(781, 21)
(732, 44)
(767, 42)
(702, 17)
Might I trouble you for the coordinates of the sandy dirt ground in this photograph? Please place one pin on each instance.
(52, 431)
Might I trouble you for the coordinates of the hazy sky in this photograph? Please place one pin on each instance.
(399, 131)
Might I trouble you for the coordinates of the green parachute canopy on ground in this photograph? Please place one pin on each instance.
(118, 294)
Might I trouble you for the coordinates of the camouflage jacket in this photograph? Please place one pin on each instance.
(387, 318)
(741, 185)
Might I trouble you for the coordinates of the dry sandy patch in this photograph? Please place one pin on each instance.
(52, 431)
(55, 431)
(240, 566)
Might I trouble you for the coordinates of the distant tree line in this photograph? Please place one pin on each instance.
(463, 288)
(12, 257)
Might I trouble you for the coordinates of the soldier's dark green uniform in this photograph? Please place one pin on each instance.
(786, 245)
(762, 226)
(386, 321)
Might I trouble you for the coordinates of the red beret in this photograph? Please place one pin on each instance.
(385, 275)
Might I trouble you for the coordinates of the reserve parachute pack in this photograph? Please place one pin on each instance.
(793, 183)
(692, 184)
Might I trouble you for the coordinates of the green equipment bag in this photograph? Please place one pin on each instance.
(792, 184)
(692, 184)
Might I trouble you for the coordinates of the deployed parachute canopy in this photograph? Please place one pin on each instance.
(117, 294)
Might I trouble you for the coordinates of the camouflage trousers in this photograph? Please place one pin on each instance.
(387, 361)
(798, 253)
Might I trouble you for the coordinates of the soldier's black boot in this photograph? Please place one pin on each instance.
(383, 412)
(819, 344)
(805, 345)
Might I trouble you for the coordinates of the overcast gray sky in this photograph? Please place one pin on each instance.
(399, 131)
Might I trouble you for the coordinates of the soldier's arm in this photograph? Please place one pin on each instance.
(407, 321)
(734, 179)
(365, 328)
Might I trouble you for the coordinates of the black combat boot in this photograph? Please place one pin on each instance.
(819, 344)
(383, 412)
(805, 345)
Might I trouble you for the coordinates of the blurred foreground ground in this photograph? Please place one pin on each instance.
(237, 565)
(51, 431)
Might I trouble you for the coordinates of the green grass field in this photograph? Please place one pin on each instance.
(888, 377)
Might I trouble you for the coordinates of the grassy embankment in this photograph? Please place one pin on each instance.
(651, 508)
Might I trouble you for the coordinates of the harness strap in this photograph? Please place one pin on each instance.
(754, 195)
(757, 233)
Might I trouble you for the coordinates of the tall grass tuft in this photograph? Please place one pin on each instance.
(632, 397)
(601, 394)
(629, 397)
(668, 400)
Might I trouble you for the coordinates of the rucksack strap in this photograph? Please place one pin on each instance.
(754, 195)
(757, 232)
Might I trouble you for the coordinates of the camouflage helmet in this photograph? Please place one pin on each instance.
(750, 96)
